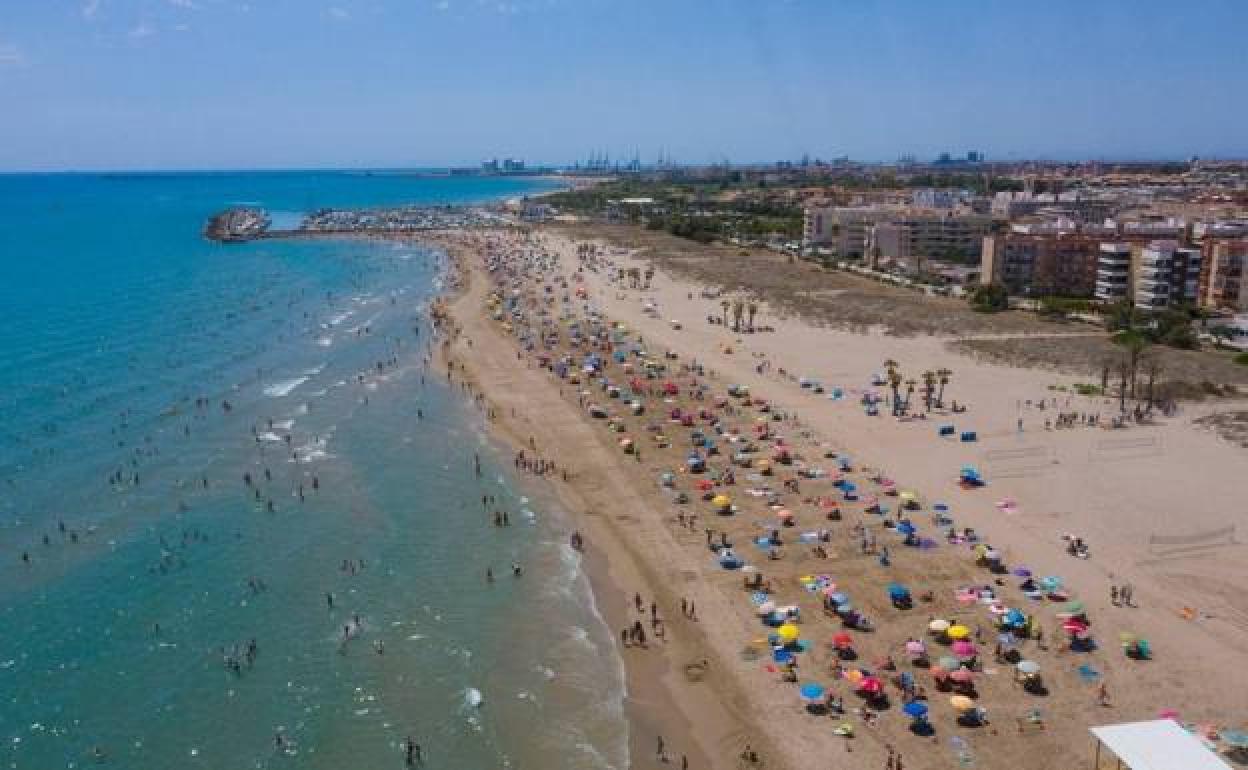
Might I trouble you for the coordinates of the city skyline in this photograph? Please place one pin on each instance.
(225, 84)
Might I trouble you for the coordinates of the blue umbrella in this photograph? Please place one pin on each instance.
(812, 691)
(838, 598)
(915, 709)
(1015, 618)
(1051, 583)
(782, 656)
(940, 507)
(897, 591)
(906, 528)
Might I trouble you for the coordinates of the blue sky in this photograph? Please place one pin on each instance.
(90, 84)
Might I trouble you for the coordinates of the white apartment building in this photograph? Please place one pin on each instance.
(1167, 274)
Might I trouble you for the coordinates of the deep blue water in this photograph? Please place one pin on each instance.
(152, 562)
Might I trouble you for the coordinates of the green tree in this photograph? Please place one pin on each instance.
(1134, 343)
(990, 298)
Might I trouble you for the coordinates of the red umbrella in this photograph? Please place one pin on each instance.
(842, 641)
(1074, 626)
(870, 684)
(705, 485)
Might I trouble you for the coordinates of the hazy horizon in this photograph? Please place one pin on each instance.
(198, 85)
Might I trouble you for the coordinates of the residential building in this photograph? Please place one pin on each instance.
(1113, 272)
(926, 235)
(1226, 285)
(1167, 274)
(896, 232)
(1042, 265)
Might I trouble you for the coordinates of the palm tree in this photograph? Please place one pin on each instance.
(929, 388)
(724, 305)
(943, 376)
(752, 309)
(894, 382)
(910, 383)
(1135, 343)
(738, 310)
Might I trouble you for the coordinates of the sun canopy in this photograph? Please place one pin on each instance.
(1157, 745)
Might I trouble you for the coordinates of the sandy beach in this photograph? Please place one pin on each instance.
(1152, 502)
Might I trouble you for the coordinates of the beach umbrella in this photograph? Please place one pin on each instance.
(788, 632)
(1074, 607)
(705, 485)
(915, 647)
(812, 691)
(854, 676)
(870, 684)
(897, 591)
(1073, 626)
(1015, 618)
(721, 501)
(958, 631)
(782, 656)
(915, 708)
(964, 649)
(1236, 739)
(1028, 667)
(766, 608)
(1022, 572)
(961, 675)
(949, 663)
(908, 496)
(938, 626)
(784, 513)
(906, 528)
(1050, 582)
(961, 703)
(842, 641)
(838, 598)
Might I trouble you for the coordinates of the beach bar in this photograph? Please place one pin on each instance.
(1161, 744)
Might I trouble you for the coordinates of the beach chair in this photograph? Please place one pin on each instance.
(969, 436)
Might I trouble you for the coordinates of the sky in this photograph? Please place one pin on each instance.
(231, 84)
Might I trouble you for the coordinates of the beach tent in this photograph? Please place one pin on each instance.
(1160, 744)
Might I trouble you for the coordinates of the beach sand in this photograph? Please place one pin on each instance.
(1113, 488)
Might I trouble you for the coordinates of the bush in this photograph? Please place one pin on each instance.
(1241, 359)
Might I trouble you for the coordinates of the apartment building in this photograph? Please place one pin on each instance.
(1167, 274)
(1114, 272)
(1042, 265)
(894, 232)
(1223, 283)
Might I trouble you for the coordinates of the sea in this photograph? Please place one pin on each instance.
(241, 519)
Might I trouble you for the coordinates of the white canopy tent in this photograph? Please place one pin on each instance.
(1161, 744)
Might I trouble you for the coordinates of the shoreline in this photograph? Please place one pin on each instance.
(655, 703)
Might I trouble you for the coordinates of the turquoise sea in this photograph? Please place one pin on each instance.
(200, 443)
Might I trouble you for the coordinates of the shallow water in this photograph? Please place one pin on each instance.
(118, 318)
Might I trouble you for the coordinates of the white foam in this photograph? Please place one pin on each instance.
(284, 424)
(269, 435)
(284, 387)
(325, 341)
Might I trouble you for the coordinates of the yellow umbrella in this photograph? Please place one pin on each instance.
(788, 632)
(908, 496)
(721, 501)
(958, 632)
(854, 676)
(961, 703)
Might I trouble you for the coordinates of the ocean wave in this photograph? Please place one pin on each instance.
(283, 387)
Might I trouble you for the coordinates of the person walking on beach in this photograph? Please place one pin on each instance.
(661, 750)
